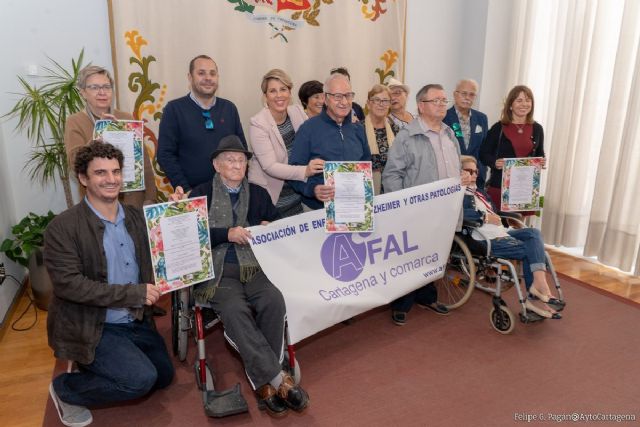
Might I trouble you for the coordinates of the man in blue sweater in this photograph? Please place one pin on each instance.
(330, 136)
(192, 127)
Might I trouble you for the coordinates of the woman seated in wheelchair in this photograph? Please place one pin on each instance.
(524, 244)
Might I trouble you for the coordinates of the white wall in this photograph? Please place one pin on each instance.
(31, 30)
(446, 41)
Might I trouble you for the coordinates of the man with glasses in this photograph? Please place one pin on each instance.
(192, 127)
(252, 309)
(424, 151)
(470, 126)
(330, 136)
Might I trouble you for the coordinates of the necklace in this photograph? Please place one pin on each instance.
(520, 131)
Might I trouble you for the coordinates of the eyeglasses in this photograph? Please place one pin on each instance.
(381, 102)
(438, 101)
(233, 161)
(342, 96)
(98, 88)
(471, 171)
(466, 94)
(208, 123)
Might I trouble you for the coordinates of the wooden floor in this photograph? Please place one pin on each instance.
(26, 362)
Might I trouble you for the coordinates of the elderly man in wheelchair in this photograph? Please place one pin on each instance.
(251, 308)
(523, 244)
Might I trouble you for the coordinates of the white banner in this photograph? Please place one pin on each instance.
(327, 278)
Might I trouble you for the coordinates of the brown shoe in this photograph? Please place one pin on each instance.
(275, 406)
(292, 394)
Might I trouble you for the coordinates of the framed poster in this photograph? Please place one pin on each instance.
(521, 184)
(127, 136)
(351, 210)
(180, 243)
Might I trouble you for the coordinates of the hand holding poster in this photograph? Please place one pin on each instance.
(521, 184)
(327, 278)
(127, 136)
(351, 210)
(179, 242)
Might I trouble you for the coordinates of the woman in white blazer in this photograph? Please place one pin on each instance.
(271, 134)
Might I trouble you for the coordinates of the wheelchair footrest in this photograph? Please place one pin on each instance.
(225, 403)
(531, 317)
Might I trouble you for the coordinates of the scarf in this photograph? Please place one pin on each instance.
(221, 216)
(371, 135)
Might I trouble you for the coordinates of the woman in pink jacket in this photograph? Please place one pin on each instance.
(271, 134)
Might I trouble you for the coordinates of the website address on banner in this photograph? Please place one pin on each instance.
(433, 272)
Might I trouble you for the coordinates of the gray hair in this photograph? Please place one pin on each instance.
(468, 159)
(472, 81)
(331, 78)
(425, 89)
(89, 71)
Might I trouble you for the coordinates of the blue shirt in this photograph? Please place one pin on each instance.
(122, 266)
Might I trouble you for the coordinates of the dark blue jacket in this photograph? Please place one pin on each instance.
(185, 144)
(321, 137)
(479, 127)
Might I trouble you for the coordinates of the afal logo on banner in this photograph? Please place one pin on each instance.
(344, 258)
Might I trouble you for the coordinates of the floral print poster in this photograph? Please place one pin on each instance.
(126, 135)
(180, 243)
(521, 184)
(351, 210)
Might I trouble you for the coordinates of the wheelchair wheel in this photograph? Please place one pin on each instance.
(456, 286)
(180, 322)
(502, 319)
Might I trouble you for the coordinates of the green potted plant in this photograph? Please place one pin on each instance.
(42, 113)
(26, 249)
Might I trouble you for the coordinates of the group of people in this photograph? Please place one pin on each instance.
(97, 252)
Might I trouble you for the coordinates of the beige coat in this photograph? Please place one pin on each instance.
(269, 166)
(78, 132)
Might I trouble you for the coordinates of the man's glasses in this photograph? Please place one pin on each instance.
(437, 101)
(98, 88)
(381, 102)
(471, 171)
(208, 123)
(341, 96)
(466, 94)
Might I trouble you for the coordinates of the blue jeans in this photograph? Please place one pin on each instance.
(525, 245)
(130, 360)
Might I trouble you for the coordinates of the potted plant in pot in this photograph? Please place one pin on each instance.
(26, 249)
(42, 113)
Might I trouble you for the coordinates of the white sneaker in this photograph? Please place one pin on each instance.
(70, 415)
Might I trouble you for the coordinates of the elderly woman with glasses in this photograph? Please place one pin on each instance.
(399, 93)
(380, 131)
(271, 134)
(96, 88)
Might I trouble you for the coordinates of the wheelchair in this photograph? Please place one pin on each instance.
(472, 266)
(191, 319)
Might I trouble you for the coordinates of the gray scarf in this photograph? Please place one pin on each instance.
(221, 216)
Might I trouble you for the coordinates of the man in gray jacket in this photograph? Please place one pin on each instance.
(98, 258)
(426, 150)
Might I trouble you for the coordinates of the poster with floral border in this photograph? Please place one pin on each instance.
(507, 172)
(363, 168)
(131, 132)
(154, 214)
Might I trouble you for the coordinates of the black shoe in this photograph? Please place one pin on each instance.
(292, 394)
(436, 307)
(399, 317)
(275, 406)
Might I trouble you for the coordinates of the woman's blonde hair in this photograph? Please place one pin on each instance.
(276, 74)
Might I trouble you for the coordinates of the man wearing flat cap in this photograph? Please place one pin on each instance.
(240, 288)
